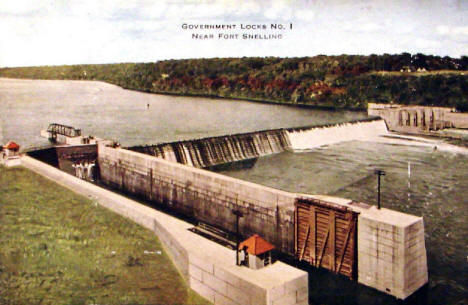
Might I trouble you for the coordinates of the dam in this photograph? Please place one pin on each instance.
(437, 182)
(379, 248)
(209, 152)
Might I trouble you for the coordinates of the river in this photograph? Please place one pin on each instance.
(419, 180)
(136, 118)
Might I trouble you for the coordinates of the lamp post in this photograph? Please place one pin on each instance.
(238, 215)
(379, 173)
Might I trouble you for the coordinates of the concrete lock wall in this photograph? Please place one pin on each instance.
(203, 195)
(208, 268)
(392, 253)
(391, 249)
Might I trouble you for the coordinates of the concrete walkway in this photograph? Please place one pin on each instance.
(208, 267)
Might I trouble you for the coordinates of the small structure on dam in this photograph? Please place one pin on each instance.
(379, 248)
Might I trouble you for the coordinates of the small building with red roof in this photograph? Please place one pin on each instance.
(11, 149)
(255, 252)
(10, 154)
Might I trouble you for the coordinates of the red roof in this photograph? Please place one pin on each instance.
(256, 245)
(11, 145)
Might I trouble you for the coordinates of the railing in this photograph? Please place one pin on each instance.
(64, 130)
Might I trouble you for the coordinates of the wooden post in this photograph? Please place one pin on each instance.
(312, 236)
(349, 231)
(319, 259)
(305, 244)
(296, 236)
(332, 240)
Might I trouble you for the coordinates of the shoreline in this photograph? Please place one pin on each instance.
(210, 96)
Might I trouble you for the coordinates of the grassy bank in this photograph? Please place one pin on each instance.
(57, 247)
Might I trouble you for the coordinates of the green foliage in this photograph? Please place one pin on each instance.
(345, 81)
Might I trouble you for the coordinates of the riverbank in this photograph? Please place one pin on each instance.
(249, 99)
(61, 248)
(329, 82)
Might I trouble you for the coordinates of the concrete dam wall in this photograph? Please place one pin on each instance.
(208, 152)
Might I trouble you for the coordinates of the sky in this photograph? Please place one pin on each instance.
(56, 32)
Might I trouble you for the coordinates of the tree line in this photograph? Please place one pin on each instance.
(343, 82)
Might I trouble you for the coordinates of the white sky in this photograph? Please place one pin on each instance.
(54, 32)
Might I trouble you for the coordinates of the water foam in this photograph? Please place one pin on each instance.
(313, 137)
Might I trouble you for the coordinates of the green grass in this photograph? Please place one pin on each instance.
(57, 247)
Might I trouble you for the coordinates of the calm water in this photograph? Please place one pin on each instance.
(436, 189)
(110, 112)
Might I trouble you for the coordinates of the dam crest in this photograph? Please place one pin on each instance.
(213, 151)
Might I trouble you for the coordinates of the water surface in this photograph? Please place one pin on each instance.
(136, 118)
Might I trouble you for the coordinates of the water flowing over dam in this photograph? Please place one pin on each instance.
(208, 152)
(311, 137)
(212, 151)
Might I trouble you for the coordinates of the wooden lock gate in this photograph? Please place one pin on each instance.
(325, 236)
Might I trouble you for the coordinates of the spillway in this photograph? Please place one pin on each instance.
(207, 152)
(212, 151)
(311, 137)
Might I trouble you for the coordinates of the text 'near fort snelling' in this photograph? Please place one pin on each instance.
(234, 31)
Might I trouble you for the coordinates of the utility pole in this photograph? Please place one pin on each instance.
(379, 173)
(238, 215)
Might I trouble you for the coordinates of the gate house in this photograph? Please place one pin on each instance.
(326, 236)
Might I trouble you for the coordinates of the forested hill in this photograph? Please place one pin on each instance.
(345, 81)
